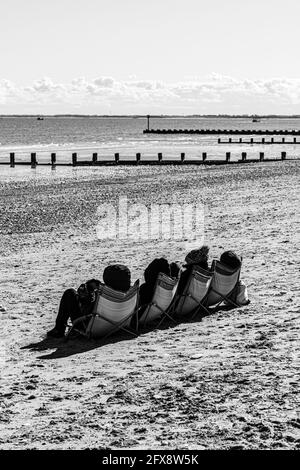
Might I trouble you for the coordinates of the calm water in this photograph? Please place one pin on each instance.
(125, 135)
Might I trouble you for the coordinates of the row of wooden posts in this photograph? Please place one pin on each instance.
(33, 161)
(262, 141)
(224, 131)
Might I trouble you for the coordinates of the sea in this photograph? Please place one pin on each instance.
(124, 135)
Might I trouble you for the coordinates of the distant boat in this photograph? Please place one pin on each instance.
(255, 120)
(40, 118)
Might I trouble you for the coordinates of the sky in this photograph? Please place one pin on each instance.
(155, 56)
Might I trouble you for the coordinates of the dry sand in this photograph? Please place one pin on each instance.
(228, 381)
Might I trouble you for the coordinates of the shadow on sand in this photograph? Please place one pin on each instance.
(79, 345)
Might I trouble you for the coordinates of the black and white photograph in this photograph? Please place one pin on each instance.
(149, 228)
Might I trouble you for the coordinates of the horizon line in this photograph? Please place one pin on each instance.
(154, 115)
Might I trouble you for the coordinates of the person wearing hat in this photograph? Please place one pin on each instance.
(75, 304)
(230, 259)
(197, 258)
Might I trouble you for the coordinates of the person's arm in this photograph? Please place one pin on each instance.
(142, 294)
(175, 268)
(182, 281)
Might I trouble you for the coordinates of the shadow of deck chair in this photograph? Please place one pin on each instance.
(193, 299)
(113, 311)
(223, 285)
(164, 292)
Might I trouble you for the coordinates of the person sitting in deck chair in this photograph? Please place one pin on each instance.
(230, 259)
(158, 265)
(146, 291)
(240, 293)
(195, 258)
(74, 303)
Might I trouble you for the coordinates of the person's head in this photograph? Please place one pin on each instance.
(118, 277)
(92, 284)
(230, 259)
(158, 265)
(197, 257)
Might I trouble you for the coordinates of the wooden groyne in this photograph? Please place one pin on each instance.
(94, 161)
(223, 131)
(263, 141)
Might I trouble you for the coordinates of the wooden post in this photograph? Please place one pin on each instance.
(12, 159)
(241, 140)
(244, 156)
(227, 156)
(283, 155)
(95, 157)
(33, 160)
(160, 157)
(272, 140)
(182, 156)
(138, 157)
(53, 159)
(204, 156)
(263, 140)
(261, 156)
(148, 122)
(251, 140)
(117, 157)
(283, 140)
(74, 159)
(230, 140)
(219, 140)
(295, 141)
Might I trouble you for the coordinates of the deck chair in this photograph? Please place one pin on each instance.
(224, 282)
(193, 298)
(113, 311)
(164, 292)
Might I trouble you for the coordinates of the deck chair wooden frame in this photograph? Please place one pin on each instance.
(107, 296)
(154, 310)
(221, 270)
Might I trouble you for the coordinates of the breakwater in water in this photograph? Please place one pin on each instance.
(224, 131)
(203, 160)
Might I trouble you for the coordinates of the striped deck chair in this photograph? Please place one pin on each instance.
(223, 284)
(164, 292)
(113, 311)
(193, 298)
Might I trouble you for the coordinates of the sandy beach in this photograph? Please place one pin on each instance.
(230, 381)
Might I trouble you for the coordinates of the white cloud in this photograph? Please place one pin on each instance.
(216, 94)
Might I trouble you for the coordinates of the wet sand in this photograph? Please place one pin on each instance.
(230, 381)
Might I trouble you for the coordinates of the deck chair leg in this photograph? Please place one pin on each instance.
(67, 336)
(80, 332)
(74, 325)
(225, 297)
(198, 311)
(120, 328)
(170, 313)
(165, 316)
